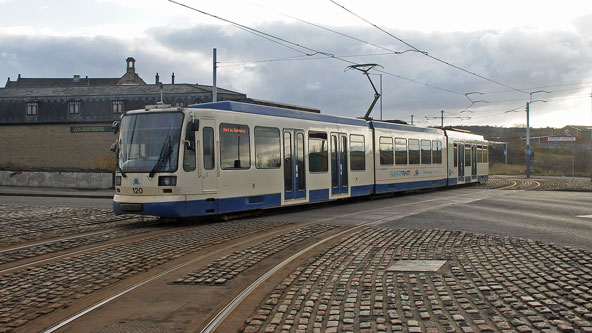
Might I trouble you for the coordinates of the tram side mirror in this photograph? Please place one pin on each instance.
(114, 147)
(115, 127)
(194, 125)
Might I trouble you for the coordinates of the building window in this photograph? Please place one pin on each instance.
(74, 107)
(179, 103)
(32, 108)
(117, 106)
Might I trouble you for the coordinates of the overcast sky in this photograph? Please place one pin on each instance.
(516, 47)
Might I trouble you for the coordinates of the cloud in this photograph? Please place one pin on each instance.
(522, 57)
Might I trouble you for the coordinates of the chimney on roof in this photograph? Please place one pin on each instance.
(173, 78)
(131, 65)
(76, 78)
(156, 79)
(19, 77)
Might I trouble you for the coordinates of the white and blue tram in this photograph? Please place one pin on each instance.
(224, 157)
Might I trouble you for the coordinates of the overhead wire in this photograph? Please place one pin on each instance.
(250, 30)
(296, 58)
(391, 52)
(312, 52)
(426, 53)
(296, 45)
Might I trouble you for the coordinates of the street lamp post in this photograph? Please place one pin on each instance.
(506, 159)
(528, 151)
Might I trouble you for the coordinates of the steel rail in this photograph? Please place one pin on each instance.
(215, 322)
(232, 305)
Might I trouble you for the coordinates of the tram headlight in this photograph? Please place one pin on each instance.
(167, 181)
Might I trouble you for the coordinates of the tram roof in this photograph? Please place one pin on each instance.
(278, 112)
(402, 127)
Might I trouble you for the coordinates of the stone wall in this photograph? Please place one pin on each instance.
(54, 146)
(79, 180)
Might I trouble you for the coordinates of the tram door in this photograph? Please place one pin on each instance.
(468, 160)
(461, 162)
(209, 173)
(339, 176)
(294, 166)
(474, 161)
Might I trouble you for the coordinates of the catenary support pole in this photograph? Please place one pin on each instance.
(527, 140)
(214, 89)
(506, 158)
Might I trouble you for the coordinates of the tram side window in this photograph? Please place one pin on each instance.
(479, 154)
(467, 155)
(267, 148)
(426, 152)
(386, 151)
(318, 152)
(414, 151)
(455, 155)
(437, 152)
(208, 148)
(235, 148)
(357, 153)
(189, 151)
(485, 155)
(400, 151)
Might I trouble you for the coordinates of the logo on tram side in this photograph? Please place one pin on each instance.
(401, 173)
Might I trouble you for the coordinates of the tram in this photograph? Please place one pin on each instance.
(224, 157)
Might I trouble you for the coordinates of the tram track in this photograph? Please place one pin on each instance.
(25, 225)
(219, 317)
(123, 236)
(542, 184)
(77, 274)
(293, 255)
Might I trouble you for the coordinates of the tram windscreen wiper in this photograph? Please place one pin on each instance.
(119, 168)
(165, 154)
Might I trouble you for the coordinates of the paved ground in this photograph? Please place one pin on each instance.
(443, 261)
(486, 283)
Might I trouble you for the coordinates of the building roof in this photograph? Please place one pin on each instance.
(121, 90)
(25, 82)
(578, 127)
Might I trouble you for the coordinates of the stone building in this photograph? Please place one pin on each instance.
(65, 123)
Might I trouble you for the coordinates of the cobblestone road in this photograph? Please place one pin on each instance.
(28, 294)
(487, 283)
(227, 267)
(24, 224)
